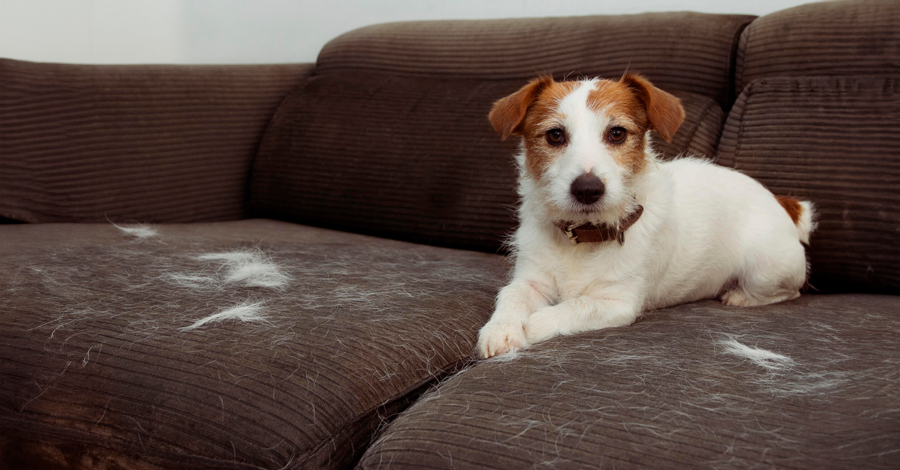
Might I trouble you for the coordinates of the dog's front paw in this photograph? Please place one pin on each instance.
(542, 325)
(500, 338)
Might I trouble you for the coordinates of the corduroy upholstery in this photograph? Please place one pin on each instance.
(665, 393)
(96, 369)
(679, 51)
(148, 143)
(856, 38)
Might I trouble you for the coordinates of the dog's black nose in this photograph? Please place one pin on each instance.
(587, 189)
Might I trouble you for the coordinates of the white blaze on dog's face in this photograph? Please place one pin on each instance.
(585, 140)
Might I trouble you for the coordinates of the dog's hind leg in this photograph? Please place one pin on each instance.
(739, 297)
(770, 280)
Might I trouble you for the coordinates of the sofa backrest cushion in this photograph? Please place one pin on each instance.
(684, 51)
(819, 119)
(148, 143)
(391, 136)
(837, 38)
(408, 158)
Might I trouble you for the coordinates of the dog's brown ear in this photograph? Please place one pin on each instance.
(663, 110)
(508, 113)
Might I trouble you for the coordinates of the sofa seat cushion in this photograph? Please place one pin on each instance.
(812, 383)
(833, 141)
(116, 351)
(410, 158)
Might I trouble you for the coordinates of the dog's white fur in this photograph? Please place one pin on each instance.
(706, 232)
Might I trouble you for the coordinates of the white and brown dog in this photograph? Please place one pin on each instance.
(608, 231)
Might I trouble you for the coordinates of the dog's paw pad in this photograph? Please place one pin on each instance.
(500, 338)
(735, 298)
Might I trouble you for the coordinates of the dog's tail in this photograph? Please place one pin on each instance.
(803, 213)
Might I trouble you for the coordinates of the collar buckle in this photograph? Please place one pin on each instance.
(568, 229)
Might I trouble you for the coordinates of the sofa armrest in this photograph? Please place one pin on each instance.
(149, 143)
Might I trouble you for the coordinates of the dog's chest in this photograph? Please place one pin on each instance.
(583, 269)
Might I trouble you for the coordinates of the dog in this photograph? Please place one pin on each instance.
(607, 230)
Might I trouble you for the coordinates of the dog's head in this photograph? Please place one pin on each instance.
(585, 141)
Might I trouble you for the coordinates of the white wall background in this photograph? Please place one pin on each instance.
(263, 31)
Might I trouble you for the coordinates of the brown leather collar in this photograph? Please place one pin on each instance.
(590, 233)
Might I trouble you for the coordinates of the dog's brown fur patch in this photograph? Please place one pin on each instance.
(508, 114)
(664, 111)
(625, 110)
(791, 206)
(539, 154)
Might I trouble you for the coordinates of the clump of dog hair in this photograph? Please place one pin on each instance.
(761, 357)
(139, 231)
(251, 268)
(245, 311)
(246, 268)
(782, 376)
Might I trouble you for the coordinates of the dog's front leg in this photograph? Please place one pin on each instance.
(506, 329)
(583, 313)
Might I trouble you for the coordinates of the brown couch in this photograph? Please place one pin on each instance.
(373, 179)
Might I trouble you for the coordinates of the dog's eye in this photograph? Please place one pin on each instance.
(617, 135)
(556, 137)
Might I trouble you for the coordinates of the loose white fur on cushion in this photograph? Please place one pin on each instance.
(761, 357)
(250, 268)
(140, 231)
(245, 311)
(705, 231)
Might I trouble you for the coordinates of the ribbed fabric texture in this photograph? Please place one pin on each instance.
(691, 52)
(667, 392)
(97, 371)
(842, 38)
(700, 131)
(155, 143)
(835, 142)
(409, 158)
